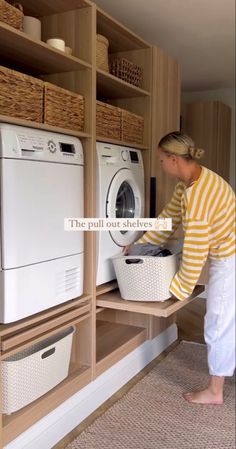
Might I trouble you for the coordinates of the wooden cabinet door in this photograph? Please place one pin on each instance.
(223, 140)
(165, 116)
(208, 123)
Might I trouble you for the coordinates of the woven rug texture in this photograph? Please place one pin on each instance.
(154, 415)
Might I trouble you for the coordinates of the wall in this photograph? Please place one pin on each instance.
(226, 96)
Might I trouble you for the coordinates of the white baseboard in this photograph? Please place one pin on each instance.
(57, 424)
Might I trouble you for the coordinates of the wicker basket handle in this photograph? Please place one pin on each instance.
(129, 261)
(18, 6)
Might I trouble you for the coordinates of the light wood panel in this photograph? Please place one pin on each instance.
(165, 116)
(208, 123)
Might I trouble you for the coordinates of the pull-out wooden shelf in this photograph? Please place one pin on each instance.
(114, 341)
(112, 87)
(112, 300)
(34, 55)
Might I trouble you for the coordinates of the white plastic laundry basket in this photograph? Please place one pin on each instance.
(145, 278)
(32, 372)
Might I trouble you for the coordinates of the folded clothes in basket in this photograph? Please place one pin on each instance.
(148, 249)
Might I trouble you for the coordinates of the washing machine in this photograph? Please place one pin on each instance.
(120, 194)
(41, 264)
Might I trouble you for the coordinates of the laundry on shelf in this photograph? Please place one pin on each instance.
(148, 249)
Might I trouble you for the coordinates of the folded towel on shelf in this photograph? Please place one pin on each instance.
(148, 249)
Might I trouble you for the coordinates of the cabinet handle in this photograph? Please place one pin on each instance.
(48, 353)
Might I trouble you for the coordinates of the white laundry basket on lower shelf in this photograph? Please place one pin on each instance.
(145, 278)
(34, 371)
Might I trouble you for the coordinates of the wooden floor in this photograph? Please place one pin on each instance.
(190, 322)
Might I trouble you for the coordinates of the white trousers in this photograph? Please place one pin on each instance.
(219, 322)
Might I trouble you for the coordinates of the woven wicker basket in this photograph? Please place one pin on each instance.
(132, 127)
(102, 53)
(21, 95)
(63, 108)
(108, 120)
(12, 15)
(127, 71)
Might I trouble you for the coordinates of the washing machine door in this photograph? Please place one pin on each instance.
(125, 199)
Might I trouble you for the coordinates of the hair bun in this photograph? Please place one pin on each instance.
(196, 153)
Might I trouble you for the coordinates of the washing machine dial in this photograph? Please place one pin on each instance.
(52, 146)
(125, 155)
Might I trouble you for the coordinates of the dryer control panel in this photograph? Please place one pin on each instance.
(118, 155)
(19, 142)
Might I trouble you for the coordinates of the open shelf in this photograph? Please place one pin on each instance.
(41, 8)
(120, 38)
(110, 86)
(30, 124)
(112, 300)
(35, 56)
(121, 142)
(19, 421)
(114, 341)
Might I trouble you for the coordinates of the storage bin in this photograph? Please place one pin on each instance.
(145, 278)
(21, 96)
(32, 372)
(127, 71)
(63, 108)
(108, 121)
(11, 14)
(102, 53)
(132, 127)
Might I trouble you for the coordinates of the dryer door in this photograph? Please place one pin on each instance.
(125, 199)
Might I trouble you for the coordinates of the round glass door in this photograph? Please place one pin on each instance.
(124, 200)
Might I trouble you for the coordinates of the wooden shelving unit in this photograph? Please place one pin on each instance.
(107, 327)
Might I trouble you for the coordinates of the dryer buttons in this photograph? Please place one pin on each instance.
(52, 146)
(125, 155)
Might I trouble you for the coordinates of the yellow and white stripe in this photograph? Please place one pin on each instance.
(207, 212)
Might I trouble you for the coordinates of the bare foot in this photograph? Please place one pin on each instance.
(204, 397)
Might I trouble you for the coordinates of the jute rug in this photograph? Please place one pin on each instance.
(153, 414)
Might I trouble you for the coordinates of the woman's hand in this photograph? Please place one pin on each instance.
(125, 250)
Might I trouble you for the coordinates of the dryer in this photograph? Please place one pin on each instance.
(41, 264)
(120, 194)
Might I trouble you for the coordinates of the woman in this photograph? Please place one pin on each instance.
(205, 204)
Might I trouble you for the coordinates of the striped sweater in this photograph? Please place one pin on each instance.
(207, 212)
